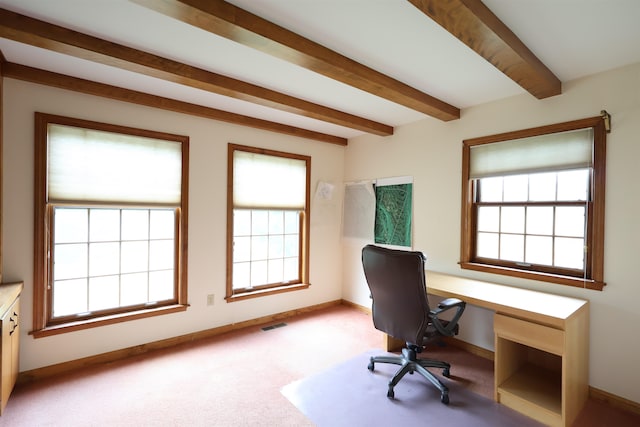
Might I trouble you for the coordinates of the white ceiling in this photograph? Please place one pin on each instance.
(573, 38)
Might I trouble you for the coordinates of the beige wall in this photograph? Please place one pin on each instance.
(431, 151)
(207, 221)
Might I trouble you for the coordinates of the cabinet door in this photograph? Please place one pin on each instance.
(9, 353)
(14, 333)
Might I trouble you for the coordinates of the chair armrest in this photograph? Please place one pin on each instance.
(447, 327)
(449, 303)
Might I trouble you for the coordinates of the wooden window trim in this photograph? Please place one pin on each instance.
(595, 231)
(42, 236)
(231, 295)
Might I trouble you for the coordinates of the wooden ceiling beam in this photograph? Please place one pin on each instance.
(38, 33)
(476, 26)
(231, 22)
(61, 81)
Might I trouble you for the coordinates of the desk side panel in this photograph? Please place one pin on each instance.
(576, 364)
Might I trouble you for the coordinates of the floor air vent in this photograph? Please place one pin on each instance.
(270, 327)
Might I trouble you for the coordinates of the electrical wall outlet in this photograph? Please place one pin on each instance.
(210, 299)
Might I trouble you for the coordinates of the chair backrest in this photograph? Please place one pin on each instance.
(397, 284)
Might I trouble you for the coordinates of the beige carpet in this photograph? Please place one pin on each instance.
(234, 380)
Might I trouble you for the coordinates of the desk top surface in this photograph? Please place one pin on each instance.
(541, 306)
(8, 294)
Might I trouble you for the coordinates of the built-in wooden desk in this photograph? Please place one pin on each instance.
(541, 357)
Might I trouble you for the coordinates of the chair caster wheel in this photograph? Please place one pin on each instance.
(390, 393)
(444, 399)
(371, 366)
(446, 373)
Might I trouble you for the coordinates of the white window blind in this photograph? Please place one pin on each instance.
(264, 181)
(557, 151)
(97, 166)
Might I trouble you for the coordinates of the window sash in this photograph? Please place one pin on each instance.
(267, 246)
(87, 268)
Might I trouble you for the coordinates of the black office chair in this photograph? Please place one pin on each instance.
(401, 309)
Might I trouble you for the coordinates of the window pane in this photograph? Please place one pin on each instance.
(135, 224)
(241, 222)
(71, 225)
(291, 246)
(489, 218)
(569, 253)
(70, 261)
(104, 225)
(512, 219)
(542, 187)
(516, 188)
(161, 285)
(276, 222)
(161, 255)
(570, 221)
(134, 257)
(259, 273)
(134, 288)
(276, 247)
(241, 249)
(259, 248)
(540, 220)
(104, 292)
(291, 270)
(104, 259)
(241, 275)
(539, 250)
(291, 222)
(491, 189)
(259, 222)
(69, 297)
(488, 245)
(512, 247)
(161, 224)
(276, 270)
(573, 185)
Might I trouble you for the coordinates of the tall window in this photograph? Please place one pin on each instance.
(268, 222)
(111, 221)
(533, 203)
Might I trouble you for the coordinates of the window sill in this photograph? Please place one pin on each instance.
(106, 320)
(543, 277)
(265, 292)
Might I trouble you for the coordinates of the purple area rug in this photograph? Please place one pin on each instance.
(349, 394)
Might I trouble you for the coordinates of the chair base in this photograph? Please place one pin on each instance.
(409, 363)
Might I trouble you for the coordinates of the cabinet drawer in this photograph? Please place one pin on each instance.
(531, 334)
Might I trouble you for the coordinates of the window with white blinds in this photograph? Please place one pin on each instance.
(111, 223)
(268, 222)
(533, 203)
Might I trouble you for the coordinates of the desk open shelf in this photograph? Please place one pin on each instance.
(534, 389)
